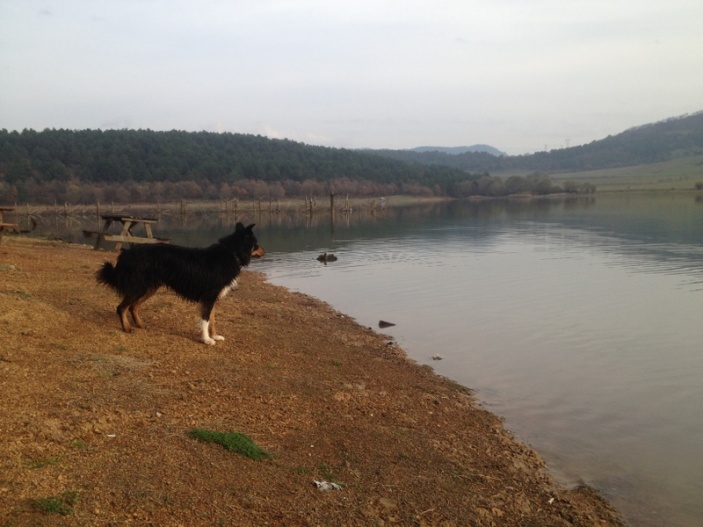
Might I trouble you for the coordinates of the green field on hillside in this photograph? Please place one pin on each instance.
(677, 174)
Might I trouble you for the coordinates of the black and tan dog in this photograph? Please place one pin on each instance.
(198, 275)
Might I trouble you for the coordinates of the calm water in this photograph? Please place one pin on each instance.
(577, 321)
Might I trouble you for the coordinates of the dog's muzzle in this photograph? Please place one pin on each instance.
(257, 252)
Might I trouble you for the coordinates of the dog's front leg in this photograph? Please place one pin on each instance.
(205, 332)
(207, 324)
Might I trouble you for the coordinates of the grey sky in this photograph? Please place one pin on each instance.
(519, 75)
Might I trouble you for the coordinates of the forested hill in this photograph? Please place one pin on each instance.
(143, 165)
(651, 143)
(124, 165)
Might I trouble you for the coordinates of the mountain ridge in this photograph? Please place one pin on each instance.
(644, 144)
(457, 150)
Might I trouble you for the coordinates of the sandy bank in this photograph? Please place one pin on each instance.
(101, 418)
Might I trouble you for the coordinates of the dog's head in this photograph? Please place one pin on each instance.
(256, 250)
(244, 243)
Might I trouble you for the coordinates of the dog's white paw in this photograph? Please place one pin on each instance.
(218, 337)
(209, 341)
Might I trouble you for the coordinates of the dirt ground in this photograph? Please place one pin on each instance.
(98, 419)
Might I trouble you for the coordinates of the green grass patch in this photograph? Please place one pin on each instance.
(231, 441)
(44, 462)
(327, 473)
(78, 443)
(62, 504)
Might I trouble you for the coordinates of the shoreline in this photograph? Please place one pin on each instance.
(93, 411)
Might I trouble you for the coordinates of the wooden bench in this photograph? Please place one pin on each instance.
(125, 234)
(10, 227)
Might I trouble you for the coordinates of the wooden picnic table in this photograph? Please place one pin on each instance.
(6, 225)
(125, 234)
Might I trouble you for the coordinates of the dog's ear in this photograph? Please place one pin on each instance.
(250, 227)
(239, 227)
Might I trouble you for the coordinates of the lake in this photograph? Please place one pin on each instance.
(578, 321)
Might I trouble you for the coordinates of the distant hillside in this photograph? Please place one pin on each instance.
(144, 165)
(650, 143)
(84, 166)
(456, 150)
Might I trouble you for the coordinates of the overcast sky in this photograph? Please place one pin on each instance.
(520, 75)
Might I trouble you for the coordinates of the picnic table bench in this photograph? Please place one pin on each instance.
(125, 234)
(6, 225)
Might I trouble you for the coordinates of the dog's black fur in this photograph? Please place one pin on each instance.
(198, 275)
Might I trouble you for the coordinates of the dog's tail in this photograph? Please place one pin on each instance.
(107, 275)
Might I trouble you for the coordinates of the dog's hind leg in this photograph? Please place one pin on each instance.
(131, 301)
(134, 308)
(122, 313)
